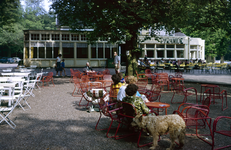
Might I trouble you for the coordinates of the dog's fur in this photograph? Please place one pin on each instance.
(159, 125)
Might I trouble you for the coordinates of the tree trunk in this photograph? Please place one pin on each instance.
(222, 59)
(131, 45)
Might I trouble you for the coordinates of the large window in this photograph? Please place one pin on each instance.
(107, 51)
(74, 37)
(41, 46)
(100, 50)
(65, 37)
(180, 54)
(68, 50)
(41, 52)
(169, 46)
(34, 51)
(55, 37)
(82, 50)
(34, 36)
(170, 53)
(45, 36)
(180, 46)
(56, 49)
(93, 51)
(150, 53)
(48, 50)
(150, 45)
(160, 54)
(159, 46)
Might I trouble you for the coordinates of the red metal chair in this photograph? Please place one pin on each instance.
(47, 79)
(196, 117)
(105, 109)
(106, 72)
(142, 85)
(181, 90)
(148, 71)
(77, 82)
(113, 94)
(73, 74)
(153, 94)
(221, 120)
(140, 76)
(84, 88)
(127, 113)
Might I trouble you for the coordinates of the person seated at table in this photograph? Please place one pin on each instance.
(116, 83)
(121, 94)
(87, 67)
(122, 80)
(138, 102)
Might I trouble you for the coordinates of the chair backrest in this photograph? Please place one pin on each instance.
(113, 93)
(128, 111)
(50, 74)
(106, 72)
(84, 78)
(148, 71)
(95, 85)
(142, 82)
(207, 101)
(107, 77)
(103, 106)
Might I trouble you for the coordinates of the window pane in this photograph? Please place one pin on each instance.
(82, 50)
(45, 36)
(74, 37)
(107, 53)
(193, 47)
(55, 37)
(100, 52)
(56, 52)
(83, 37)
(180, 54)
(180, 46)
(160, 54)
(65, 37)
(34, 36)
(41, 52)
(150, 53)
(68, 52)
(150, 45)
(170, 53)
(93, 52)
(159, 46)
(49, 52)
(170, 46)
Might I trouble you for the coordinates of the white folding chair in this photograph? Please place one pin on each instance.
(6, 111)
(31, 85)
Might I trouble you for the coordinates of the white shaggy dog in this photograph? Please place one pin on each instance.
(159, 125)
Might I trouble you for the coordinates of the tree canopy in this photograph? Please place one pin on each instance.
(121, 20)
(14, 19)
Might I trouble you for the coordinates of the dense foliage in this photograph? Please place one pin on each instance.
(14, 19)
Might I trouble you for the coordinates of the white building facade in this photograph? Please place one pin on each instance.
(41, 48)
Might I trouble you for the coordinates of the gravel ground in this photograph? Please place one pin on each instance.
(56, 122)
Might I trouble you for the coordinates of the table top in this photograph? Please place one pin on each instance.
(209, 85)
(177, 78)
(8, 84)
(157, 104)
(16, 73)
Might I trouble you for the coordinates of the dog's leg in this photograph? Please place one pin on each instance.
(181, 138)
(155, 140)
(173, 136)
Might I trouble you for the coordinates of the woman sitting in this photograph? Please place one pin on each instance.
(137, 102)
(121, 93)
(116, 85)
